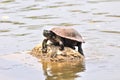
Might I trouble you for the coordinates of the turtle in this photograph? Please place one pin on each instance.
(63, 36)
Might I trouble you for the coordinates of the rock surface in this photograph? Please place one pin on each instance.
(55, 55)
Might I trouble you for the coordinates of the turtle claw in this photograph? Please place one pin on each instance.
(61, 48)
(44, 50)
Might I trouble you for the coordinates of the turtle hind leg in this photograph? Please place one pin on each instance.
(61, 46)
(80, 50)
(60, 43)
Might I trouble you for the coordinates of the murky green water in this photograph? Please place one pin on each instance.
(21, 25)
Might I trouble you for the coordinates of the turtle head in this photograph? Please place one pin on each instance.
(48, 34)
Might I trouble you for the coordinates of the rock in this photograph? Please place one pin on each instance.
(55, 55)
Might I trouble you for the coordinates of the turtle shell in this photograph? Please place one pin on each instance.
(67, 32)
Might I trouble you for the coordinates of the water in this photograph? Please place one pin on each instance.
(21, 26)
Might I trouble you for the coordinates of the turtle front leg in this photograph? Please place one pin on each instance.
(44, 45)
(80, 50)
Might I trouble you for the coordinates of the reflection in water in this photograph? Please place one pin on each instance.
(62, 71)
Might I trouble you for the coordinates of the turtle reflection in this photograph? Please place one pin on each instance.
(63, 70)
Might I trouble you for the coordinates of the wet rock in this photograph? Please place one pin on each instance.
(55, 55)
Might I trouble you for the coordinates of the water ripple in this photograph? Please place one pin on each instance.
(100, 13)
(99, 1)
(80, 11)
(13, 22)
(115, 32)
(31, 7)
(22, 34)
(7, 1)
(64, 5)
(67, 24)
(94, 21)
(32, 27)
(5, 30)
(42, 17)
(116, 16)
(59, 2)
